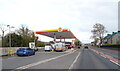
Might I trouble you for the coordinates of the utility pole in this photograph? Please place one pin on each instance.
(10, 34)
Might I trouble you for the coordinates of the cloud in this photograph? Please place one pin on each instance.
(77, 15)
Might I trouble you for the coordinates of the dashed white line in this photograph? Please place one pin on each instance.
(71, 66)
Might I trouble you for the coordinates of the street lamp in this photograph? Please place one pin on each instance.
(10, 34)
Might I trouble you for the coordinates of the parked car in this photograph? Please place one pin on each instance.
(69, 47)
(25, 51)
(47, 48)
(78, 47)
(72, 47)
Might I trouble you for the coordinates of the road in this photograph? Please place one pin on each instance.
(70, 60)
(113, 53)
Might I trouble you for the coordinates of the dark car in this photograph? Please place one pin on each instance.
(25, 51)
(86, 47)
(78, 47)
(69, 47)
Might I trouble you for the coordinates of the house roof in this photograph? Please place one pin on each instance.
(110, 35)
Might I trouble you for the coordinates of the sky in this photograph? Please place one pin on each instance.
(77, 15)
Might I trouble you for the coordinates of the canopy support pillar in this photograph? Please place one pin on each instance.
(64, 40)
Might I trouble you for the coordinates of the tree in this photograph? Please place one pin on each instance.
(16, 40)
(40, 44)
(98, 33)
(27, 35)
(77, 42)
(3, 29)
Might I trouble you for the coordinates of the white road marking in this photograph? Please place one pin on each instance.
(115, 62)
(110, 60)
(103, 56)
(71, 66)
(39, 62)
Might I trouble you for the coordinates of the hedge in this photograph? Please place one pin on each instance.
(110, 46)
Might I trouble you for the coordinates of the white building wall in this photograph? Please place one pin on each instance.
(115, 39)
(110, 41)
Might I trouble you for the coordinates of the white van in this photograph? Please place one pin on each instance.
(60, 47)
(48, 48)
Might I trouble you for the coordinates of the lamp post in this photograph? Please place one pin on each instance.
(10, 34)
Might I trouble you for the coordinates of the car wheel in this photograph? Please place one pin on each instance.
(28, 54)
(34, 53)
(18, 55)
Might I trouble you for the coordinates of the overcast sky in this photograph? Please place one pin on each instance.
(77, 15)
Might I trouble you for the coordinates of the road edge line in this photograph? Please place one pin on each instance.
(106, 57)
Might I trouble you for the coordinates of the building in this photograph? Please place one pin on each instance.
(112, 38)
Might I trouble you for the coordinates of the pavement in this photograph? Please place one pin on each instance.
(3, 54)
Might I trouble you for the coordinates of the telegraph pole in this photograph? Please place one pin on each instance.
(10, 34)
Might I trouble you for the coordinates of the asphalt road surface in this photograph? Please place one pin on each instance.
(77, 59)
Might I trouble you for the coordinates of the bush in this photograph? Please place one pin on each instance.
(110, 44)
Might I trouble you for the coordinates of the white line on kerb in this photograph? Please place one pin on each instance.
(39, 62)
(103, 56)
(71, 66)
(115, 62)
(112, 61)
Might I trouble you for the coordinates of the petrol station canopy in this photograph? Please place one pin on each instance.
(57, 33)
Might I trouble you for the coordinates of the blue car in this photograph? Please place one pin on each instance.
(25, 51)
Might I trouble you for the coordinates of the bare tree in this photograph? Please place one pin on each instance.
(27, 34)
(98, 33)
(3, 29)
